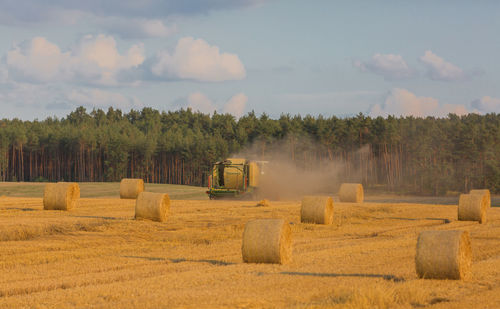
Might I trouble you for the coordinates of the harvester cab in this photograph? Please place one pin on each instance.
(234, 177)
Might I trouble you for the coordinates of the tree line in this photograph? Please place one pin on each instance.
(407, 154)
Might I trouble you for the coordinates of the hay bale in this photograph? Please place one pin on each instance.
(483, 192)
(264, 202)
(267, 241)
(351, 193)
(472, 207)
(443, 255)
(152, 206)
(60, 196)
(316, 209)
(131, 187)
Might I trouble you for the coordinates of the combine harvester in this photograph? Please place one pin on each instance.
(235, 178)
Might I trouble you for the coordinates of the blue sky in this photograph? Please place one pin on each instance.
(299, 57)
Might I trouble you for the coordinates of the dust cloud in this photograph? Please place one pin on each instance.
(295, 167)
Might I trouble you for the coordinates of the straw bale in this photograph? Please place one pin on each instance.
(443, 255)
(131, 187)
(267, 241)
(351, 193)
(60, 196)
(317, 209)
(152, 206)
(472, 207)
(484, 192)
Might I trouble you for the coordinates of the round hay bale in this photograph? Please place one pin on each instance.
(472, 207)
(264, 202)
(443, 255)
(60, 196)
(351, 193)
(483, 192)
(267, 241)
(130, 188)
(316, 209)
(152, 206)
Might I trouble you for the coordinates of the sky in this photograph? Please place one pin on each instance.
(342, 58)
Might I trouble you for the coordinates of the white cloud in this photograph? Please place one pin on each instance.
(94, 60)
(401, 102)
(439, 69)
(197, 101)
(136, 27)
(390, 66)
(197, 60)
(102, 51)
(36, 60)
(394, 67)
(102, 54)
(102, 99)
(236, 105)
(457, 109)
(487, 104)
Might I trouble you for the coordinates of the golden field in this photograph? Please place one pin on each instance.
(97, 255)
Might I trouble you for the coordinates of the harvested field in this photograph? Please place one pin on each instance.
(97, 255)
(102, 189)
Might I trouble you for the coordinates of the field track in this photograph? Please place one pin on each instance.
(97, 255)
